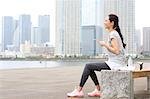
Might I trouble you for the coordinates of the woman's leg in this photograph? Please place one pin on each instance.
(89, 70)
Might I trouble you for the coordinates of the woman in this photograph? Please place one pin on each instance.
(116, 57)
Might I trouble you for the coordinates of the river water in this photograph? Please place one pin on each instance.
(41, 64)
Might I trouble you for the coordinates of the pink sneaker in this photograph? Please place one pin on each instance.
(94, 93)
(75, 93)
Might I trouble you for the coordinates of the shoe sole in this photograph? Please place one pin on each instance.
(94, 96)
(76, 96)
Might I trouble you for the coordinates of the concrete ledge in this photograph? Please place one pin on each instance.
(116, 84)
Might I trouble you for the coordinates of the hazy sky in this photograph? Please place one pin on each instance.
(33, 7)
(42, 7)
(142, 15)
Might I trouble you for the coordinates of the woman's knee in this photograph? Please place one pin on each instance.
(87, 66)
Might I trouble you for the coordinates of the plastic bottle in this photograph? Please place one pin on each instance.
(130, 64)
(130, 61)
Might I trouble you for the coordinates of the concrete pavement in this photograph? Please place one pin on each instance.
(51, 83)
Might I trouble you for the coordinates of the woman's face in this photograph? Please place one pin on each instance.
(107, 23)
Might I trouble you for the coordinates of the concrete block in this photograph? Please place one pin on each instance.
(116, 84)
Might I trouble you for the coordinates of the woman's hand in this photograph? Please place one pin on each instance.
(102, 43)
(113, 48)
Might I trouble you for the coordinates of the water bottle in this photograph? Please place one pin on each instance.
(130, 61)
(130, 64)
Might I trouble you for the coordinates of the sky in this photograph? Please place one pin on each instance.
(33, 7)
(47, 7)
(142, 15)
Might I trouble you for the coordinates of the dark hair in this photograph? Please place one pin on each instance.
(115, 19)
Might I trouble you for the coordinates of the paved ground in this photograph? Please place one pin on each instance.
(50, 83)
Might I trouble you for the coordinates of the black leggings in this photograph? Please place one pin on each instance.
(89, 70)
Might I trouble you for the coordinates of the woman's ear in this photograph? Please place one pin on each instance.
(112, 23)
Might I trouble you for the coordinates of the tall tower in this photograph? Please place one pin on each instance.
(44, 28)
(7, 32)
(16, 37)
(24, 28)
(146, 40)
(35, 36)
(68, 19)
(92, 12)
(89, 45)
(92, 20)
(125, 10)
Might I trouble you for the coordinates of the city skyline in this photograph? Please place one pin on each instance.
(44, 7)
(17, 32)
(34, 8)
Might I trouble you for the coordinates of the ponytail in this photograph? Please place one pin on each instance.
(119, 32)
(115, 19)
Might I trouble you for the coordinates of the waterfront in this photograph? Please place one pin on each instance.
(36, 64)
(57, 63)
(39, 64)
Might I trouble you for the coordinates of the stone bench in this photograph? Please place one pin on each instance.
(120, 84)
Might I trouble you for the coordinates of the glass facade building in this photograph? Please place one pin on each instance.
(68, 22)
(24, 28)
(89, 45)
(7, 32)
(44, 28)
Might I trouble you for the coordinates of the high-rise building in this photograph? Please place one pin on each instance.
(146, 40)
(16, 37)
(91, 26)
(24, 28)
(138, 40)
(7, 32)
(35, 36)
(89, 45)
(125, 10)
(44, 28)
(68, 22)
(92, 12)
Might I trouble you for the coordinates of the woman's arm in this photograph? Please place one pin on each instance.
(114, 48)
